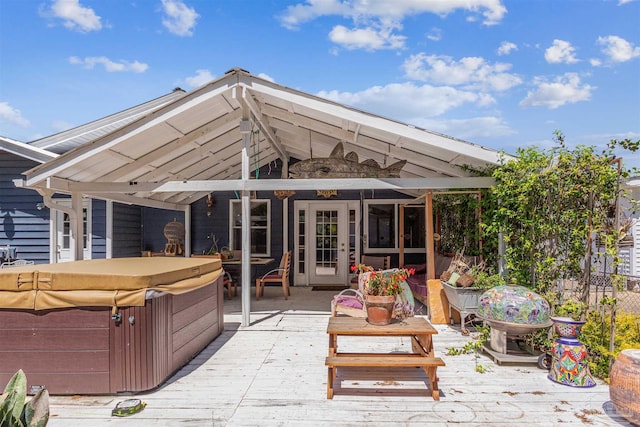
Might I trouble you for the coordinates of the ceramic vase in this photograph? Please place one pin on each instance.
(569, 356)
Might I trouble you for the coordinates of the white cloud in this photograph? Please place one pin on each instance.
(560, 52)
(492, 10)
(201, 77)
(407, 101)
(110, 66)
(435, 34)
(12, 115)
(618, 49)
(566, 89)
(366, 38)
(469, 72)
(595, 62)
(470, 129)
(506, 48)
(621, 2)
(375, 23)
(180, 19)
(74, 16)
(266, 77)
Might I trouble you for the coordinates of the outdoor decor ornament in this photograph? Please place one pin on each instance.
(283, 194)
(326, 193)
(337, 165)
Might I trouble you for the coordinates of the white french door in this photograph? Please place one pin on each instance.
(328, 255)
(63, 237)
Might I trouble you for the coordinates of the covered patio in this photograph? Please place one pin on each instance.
(216, 137)
(272, 372)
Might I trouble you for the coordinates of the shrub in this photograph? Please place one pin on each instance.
(596, 333)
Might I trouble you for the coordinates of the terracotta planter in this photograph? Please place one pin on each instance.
(624, 387)
(379, 309)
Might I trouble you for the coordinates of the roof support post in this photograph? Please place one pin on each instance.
(431, 258)
(245, 130)
(77, 229)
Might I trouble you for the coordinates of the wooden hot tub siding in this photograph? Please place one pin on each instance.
(83, 351)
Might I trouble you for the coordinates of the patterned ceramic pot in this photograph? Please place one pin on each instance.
(566, 327)
(514, 304)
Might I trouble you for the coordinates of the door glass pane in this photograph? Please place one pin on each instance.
(66, 232)
(326, 242)
(381, 219)
(301, 237)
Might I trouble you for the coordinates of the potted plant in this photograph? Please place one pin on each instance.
(380, 290)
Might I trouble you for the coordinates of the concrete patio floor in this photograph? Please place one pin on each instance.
(272, 373)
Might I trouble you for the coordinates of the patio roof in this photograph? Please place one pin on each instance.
(26, 151)
(185, 149)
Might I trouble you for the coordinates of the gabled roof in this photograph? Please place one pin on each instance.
(64, 141)
(199, 137)
(26, 151)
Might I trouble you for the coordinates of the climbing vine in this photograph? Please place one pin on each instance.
(549, 205)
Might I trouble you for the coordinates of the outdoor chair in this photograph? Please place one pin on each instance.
(350, 302)
(227, 280)
(377, 262)
(16, 263)
(279, 275)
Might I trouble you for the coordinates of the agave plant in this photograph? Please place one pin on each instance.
(14, 412)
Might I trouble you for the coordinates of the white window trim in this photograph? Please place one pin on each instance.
(232, 227)
(365, 231)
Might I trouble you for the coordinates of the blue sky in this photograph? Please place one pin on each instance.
(503, 74)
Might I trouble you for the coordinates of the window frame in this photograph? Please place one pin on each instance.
(396, 217)
(267, 227)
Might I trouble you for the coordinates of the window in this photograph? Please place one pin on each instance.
(260, 231)
(382, 226)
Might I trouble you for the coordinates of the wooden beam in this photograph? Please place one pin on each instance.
(263, 122)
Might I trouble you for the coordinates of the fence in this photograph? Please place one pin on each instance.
(627, 295)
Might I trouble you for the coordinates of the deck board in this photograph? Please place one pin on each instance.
(272, 373)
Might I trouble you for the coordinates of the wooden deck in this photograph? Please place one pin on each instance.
(272, 373)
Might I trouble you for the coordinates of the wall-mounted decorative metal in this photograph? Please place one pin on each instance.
(326, 193)
(283, 194)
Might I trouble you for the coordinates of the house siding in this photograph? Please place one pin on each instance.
(22, 225)
(127, 231)
(98, 229)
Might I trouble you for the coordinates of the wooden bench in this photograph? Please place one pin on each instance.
(368, 360)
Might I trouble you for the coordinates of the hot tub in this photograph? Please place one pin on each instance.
(107, 326)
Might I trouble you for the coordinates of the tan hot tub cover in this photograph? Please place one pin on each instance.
(116, 282)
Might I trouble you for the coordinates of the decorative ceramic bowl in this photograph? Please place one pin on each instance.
(514, 304)
(567, 327)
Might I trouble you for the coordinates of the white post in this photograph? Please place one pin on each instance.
(77, 230)
(245, 130)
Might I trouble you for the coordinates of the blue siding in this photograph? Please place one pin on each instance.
(21, 224)
(153, 221)
(98, 229)
(127, 231)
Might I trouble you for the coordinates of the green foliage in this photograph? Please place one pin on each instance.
(549, 205)
(596, 332)
(14, 412)
(473, 346)
(571, 308)
(484, 280)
